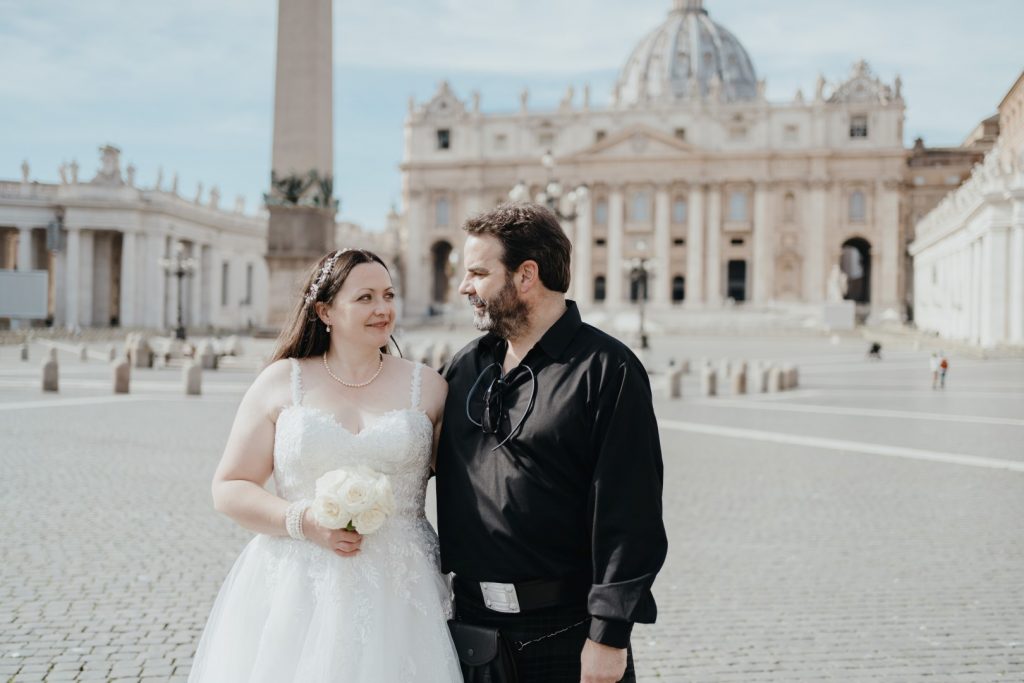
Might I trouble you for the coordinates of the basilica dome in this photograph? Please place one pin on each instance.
(687, 57)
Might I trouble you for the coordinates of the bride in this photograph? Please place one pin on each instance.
(308, 604)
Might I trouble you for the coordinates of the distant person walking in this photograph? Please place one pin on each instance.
(943, 369)
(933, 364)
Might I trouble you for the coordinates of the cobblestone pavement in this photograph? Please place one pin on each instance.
(861, 528)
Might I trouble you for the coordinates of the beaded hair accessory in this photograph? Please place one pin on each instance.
(324, 272)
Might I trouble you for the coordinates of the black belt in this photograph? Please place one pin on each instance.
(526, 596)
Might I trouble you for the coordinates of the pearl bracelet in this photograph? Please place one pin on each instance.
(293, 519)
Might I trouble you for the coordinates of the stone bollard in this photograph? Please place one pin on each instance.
(24, 351)
(192, 378)
(140, 353)
(775, 379)
(708, 382)
(675, 383)
(759, 375)
(426, 355)
(739, 379)
(724, 368)
(83, 353)
(206, 355)
(112, 353)
(122, 375)
(792, 377)
(232, 346)
(442, 354)
(685, 366)
(50, 371)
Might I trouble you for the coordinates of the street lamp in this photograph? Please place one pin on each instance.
(638, 270)
(179, 266)
(553, 195)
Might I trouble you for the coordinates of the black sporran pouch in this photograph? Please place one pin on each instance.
(485, 655)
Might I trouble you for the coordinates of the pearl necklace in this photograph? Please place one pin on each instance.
(348, 384)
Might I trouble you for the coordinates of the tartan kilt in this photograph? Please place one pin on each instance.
(553, 660)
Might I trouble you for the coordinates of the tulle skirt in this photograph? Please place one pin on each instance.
(290, 611)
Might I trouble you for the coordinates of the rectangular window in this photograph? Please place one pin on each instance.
(679, 242)
(791, 133)
(736, 241)
(600, 135)
(601, 212)
(441, 213)
(639, 208)
(858, 126)
(679, 211)
(546, 140)
(225, 282)
(248, 283)
(444, 138)
(680, 134)
(500, 142)
(738, 206)
(737, 133)
(600, 242)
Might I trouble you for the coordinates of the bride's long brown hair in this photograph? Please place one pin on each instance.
(306, 335)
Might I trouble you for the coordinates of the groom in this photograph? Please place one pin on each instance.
(549, 471)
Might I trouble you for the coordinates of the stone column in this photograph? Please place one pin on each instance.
(615, 228)
(582, 255)
(887, 224)
(662, 246)
(995, 286)
(72, 285)
(695, 247)
(764, 268)
(1016, 303)
(25, 248)
(713, 281)
(815, 255)
(417, 285)
(976, 301)
(129, 285)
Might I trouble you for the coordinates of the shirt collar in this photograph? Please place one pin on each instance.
(555, 340)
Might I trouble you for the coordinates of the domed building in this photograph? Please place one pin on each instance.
(725, 197)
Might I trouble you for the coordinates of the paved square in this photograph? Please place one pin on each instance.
(860, 528)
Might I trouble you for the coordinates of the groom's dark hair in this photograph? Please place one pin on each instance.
(528, 232)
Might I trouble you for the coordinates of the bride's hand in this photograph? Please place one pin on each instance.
(338, 541)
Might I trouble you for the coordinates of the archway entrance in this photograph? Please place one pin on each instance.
(441, 271)
(855, 262)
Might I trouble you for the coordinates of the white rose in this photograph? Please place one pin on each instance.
(330, 513)
(328, 484)
(369, 521)
(383, 495)
(356, 493)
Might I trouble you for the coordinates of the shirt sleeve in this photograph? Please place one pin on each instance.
(628, 534)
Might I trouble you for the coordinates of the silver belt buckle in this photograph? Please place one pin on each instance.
(500, 597)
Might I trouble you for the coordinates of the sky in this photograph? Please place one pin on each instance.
(187, 86)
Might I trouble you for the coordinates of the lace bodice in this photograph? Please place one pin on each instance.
(309, 442)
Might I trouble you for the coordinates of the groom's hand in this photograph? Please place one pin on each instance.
(338, 541)
(601, 663)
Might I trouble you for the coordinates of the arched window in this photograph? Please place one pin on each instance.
(789, 208)
(599, 287)
(639, 207)
(678, 288)
(601, 212)
(441, 212)
(679, 210)
(738, 206)
(858, 208)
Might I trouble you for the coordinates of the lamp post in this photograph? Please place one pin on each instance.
(553, 195)
(638, 270)
(179, 266)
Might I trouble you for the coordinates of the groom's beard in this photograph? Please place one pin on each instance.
(505, 315)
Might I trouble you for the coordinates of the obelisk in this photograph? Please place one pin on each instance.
(300, 201)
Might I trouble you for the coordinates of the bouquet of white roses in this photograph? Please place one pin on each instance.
(357, 500)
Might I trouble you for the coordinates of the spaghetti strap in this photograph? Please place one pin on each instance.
(296, 382)
(417, 383)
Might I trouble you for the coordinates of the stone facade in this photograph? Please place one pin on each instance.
(730, 197)
(969, 251)
(101, 242)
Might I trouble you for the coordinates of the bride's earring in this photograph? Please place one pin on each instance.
(328, 328)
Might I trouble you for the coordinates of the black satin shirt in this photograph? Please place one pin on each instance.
(576, 491)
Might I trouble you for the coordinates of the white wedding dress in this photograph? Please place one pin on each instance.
(293, 612)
